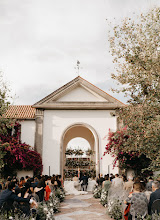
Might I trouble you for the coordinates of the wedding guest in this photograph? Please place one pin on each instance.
(106, 183)
(117, 181)
(22, 182)
(48, 192)
(149, 184)
(124, 178)
(7, 182)
(0, 187)
(111, 177)
(8, 197)
(26, 193)
(59, 181)
(129, 184)
(100, 180)
(40, 190)
(138, 201)
(154, 195)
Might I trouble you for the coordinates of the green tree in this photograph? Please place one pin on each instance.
(5, 123)
(135, 47)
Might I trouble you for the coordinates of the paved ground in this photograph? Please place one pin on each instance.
(82, 207)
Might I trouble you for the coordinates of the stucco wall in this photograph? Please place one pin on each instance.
(28, 132)
(57, 121)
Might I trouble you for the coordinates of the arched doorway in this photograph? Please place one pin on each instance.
(80, 130)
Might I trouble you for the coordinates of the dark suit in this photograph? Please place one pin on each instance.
(154, 195)
(84, 180)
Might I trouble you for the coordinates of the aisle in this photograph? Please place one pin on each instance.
(82, 207)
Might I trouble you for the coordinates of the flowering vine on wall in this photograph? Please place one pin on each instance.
(116, 146)
(18, 155)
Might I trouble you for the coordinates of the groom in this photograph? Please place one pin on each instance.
(84, 181)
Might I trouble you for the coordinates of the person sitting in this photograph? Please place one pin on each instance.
(154, 195)
(106, 183)
(117, 181)
(47, 188)
(8, 196)
(26, 193)
(129, 184)
(138, 201)
(149, 184)
(39, 190)
(22, 182)
(100, 180)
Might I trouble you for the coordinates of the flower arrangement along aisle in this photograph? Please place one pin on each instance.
(18, 155)
(115, 209)
(97, 192)
(60, 194)
(104, 197)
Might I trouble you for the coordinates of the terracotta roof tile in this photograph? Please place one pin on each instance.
(21, 112)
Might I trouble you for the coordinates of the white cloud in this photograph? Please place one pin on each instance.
(41, 41)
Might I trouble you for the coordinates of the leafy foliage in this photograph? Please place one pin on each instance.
(125, 157)
(115, 209)
(97, 192)
(135, 49)
(17, 155)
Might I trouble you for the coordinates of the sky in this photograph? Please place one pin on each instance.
(41, 42)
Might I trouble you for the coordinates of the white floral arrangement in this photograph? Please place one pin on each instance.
(115, 209)
(53, 203)
(104, 197)
(60, 194)
(97, 192)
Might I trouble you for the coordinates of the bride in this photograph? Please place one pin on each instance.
(73, 187)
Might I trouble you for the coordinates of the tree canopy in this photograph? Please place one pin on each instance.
(135, 47)
(5, 123)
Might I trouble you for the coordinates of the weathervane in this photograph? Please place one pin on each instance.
(78, 67)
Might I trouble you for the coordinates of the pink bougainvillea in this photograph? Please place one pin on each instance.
(117, 146)
(19, 155)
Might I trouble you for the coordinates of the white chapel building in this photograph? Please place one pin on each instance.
(77, 109)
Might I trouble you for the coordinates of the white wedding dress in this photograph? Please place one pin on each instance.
(70, 189)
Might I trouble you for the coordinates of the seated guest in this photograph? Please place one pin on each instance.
(7, 197)
(26, 193)
(129, 184)
(40, 190)
(106, 183)
(22, 182)
(47, 188)
(7, 182)
(138, 201)
(117, 181)
(154, 195)
(59, 181)
(100, 180)
(0, 187)
(149, 184)
(124, 178)
(111, 177)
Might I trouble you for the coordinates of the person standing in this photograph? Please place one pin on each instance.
(84, 181)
